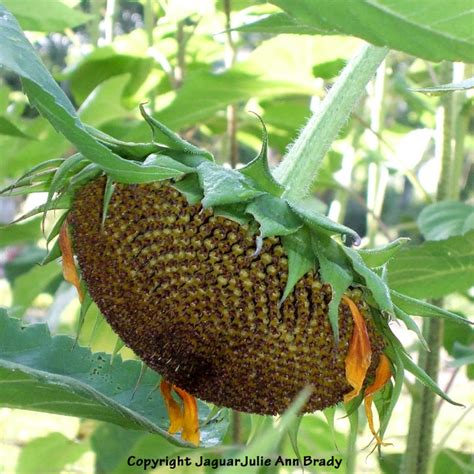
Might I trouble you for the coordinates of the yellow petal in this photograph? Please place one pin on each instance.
(191, 421)
(359, 354)
(174, 410)
(382, 376)
(69, 267)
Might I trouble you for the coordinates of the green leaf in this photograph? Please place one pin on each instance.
(108, 191)
(259, 171)
(453, 334)
(18, 55)
(17, 234)
(280, 23)
(443, 88)
(411, 325)
(45, 15)
(274, 216)
(434, 269)
(300, 258)
(422, 308)
(463, 355)
(224, 186)
(57, 378)
(418, 372)
(29, 285)
(390, 463)
(444, 219)
(374, 283)
(189, 186)
(339, 279)
(9, 128)
(58, 450)
(430, 29)
(379, 256)
(267, 441)
(319, 222)
(454, 462)
(23, 262)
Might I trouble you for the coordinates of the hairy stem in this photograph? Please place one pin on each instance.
(417, 459)
(299, 167)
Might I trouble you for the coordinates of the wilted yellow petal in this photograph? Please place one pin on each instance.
(360, 353)
(174, 410)
(191, 421)
(69, 267)
(382, 376)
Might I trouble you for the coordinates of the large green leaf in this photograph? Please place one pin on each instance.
(45, 15)
(57, 377)
(18, 55)
(56, 448)
(9, 128)
(444, 219)
(431, 29)
(434, 269)
(17, 234)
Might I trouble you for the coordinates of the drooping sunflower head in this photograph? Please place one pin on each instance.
(233, 293)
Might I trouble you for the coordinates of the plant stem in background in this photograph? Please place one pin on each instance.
(180, 69)
(93, 26)
(351, 453)
(109, 20)
(461, 123)
(149, 21)
(417, 459)
(229, 58)
(377, 172)
(299, 168)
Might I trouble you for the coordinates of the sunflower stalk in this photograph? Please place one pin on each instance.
(417, 459)
(298, 170)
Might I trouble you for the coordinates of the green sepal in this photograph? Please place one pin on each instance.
(379, 256)
(417, 371)
(166, 162)
(411, 325)
(177, 142)
(63, 201)
(68, 167)
(293, 430)
(90, 171)
(300, 258)
(319, 222)
(128, 150)
(338, 277)
(223, 186)
(108, 191)
(274, 216)
(56, 227)
(330, 415)
(374, 282)
(258, 168)
(191, 189)
(119, 345)
(46, 165)
(53, 254)
(422, 308)
(234, 212)
(398, 373)
(85, 305)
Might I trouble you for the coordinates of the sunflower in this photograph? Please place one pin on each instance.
(234, 294)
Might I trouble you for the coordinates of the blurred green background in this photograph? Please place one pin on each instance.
(201, 79)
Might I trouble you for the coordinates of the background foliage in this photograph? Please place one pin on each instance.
(202, 79)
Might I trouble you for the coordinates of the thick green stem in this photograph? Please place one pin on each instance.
(417, 459)
(299, 168)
